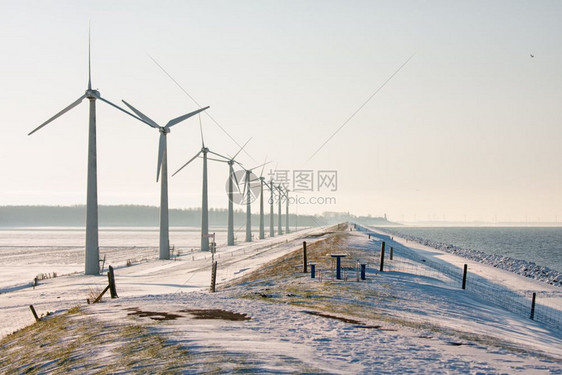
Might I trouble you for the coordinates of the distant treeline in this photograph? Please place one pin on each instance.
(132, 215)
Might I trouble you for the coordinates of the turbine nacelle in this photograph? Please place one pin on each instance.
(164, 130)
(92, 94)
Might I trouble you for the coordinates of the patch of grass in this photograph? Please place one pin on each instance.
(77, 342)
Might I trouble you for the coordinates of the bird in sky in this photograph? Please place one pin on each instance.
(532, 55)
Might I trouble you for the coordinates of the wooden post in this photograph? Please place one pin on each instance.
(111, 279)
(213, 277)
(382, 257)
(391, 252)
(305, 268)
(98, 298)
(369, 236)
(465, 272)
(312, 270)
(37, 319)
(533, 306)
(363, 267)
(103, 263)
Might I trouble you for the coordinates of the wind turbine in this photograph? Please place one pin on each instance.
(205, 203)
(92, 244)
(262, 182)
(231, 180)
(271, 213)
(163, 166)
(251, 197)
(287, 211)
(279, 226)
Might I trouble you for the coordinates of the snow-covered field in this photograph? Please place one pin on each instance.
(394, 322)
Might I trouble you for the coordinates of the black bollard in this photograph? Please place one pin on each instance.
(382, 257)
(363, 268)
(391, 252)
(464, 276)
(312, 271)
(111, 279)
(533, 306)
(304, 257)
(213, 277)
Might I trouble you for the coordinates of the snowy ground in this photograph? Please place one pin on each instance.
(394, 322)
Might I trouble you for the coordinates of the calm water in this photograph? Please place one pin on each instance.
(540, 245)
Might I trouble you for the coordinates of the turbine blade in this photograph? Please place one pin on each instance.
(236, 180)
(263, 167)
(146, 119)
(122, 110)
(246, 184)
(184, 117)
(78, 101)
(89, 60)
(201, 129)
(241, 148)
(161, 146)
(185, 165)
(219, 160)
(219, 155)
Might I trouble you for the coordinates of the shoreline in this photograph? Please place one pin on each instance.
(520, 267)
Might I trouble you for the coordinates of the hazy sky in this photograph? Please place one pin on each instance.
(469, 129)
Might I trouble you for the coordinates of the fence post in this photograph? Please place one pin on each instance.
(34, 313)
(382, 257)
(312, 270)
(213, 277)
(111, 279)
(464, 276)
(533, 306)
(305, 268)
(391, 252)
(363, 266)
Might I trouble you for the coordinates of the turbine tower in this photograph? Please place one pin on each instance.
(279, 226)
(91, 266)
(287, 211)
(204, 200)
(249, 198)
(162, 166)
(271, 213)
(262, 229)
(231, 180)
(262, 182)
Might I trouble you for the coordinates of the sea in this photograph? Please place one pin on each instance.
(541, 245)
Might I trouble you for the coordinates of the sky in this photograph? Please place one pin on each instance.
(469, 129)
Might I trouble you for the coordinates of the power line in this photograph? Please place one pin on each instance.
(360, 107)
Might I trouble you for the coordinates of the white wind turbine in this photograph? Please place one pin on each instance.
(279, 225)
(262, 224)
(205, 202)
(232, 179)
(163, 167)
(250, 197)
(286, 210)
(271, 213)
(92, 244)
